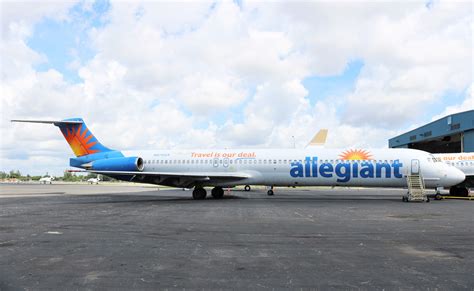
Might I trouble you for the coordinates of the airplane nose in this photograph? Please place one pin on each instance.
(455, 176)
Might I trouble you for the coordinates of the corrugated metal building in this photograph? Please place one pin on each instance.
(451, 134)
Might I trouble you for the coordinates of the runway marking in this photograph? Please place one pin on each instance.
(54, 232)
(305, 217)
(409, 250)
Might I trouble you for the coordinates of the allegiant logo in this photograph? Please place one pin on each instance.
(345, 170)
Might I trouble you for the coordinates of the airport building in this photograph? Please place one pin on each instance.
(451, 134)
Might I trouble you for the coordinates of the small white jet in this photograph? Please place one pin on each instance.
(274, 167)
(46, 180)
(93, 181)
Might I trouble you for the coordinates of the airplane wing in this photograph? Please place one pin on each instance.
(319, 139)
(178, 179)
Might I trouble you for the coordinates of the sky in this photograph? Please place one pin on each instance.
(243, 74)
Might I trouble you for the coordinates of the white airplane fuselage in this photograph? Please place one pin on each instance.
(305, 167)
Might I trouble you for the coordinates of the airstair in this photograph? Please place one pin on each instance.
(416, 189)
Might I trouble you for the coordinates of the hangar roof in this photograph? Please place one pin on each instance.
(446, 126)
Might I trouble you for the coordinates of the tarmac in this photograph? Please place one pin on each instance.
(132, 237)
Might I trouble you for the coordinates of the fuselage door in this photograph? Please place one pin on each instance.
(226, 162)
(215, 162)
(415, 167)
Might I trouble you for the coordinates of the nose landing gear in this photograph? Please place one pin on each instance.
(270, 191)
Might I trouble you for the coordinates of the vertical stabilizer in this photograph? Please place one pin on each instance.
(79, 137)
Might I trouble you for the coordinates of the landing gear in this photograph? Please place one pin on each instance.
(199, 193)
(247, 188)
(438, 196)
(459, 191)
(217, 192)
(270, 191)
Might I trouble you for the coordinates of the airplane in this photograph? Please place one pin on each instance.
(465, 163)
(232, 167)
(93, 180)
(319, 139)
(46, 180)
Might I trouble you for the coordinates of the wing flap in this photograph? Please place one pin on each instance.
(179, 179)
(235, 175)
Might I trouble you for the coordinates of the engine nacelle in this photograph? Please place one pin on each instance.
(130, 164)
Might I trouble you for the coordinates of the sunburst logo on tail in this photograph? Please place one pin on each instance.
(355, 155)
(81, 141)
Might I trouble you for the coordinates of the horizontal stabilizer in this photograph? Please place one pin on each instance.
(49, 121)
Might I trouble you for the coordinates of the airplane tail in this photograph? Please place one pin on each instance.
(79, 137)
(319, 139)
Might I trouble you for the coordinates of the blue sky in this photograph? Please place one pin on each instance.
(63, 41)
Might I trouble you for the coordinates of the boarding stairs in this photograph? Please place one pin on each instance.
(416, 189)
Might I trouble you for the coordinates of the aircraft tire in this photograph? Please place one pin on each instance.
(217, 192)
(270, 192)
(438, 196)
(199, 193)
(247, 188)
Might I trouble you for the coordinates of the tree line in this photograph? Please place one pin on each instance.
(67, 176)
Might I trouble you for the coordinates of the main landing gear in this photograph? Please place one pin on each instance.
(199, 193)
(247, 188)
(217, 192)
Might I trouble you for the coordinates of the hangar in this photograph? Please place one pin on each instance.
(451, 134)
